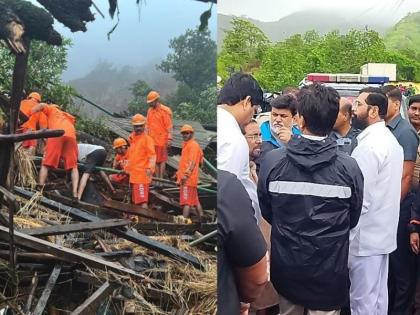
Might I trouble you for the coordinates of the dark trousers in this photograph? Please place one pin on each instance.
(402, 266)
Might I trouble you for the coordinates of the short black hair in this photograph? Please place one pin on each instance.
(371, 89)
(380, 100)
(238, 87)
(392, 92)
(319, 106)
(414, 99)
(290, 90)
(286, 101)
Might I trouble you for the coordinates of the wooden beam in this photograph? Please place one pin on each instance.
(115, 255)
(69, 254)
(168, 201)
(203, 238)
(12, 209)
(69, 202)
(91, 304)
(134, 209)
(38, 134)
(174, 228)
(75, 227)
(132, 236)
(42, 302)
(19, 77)
(34, 284)
(32, 257)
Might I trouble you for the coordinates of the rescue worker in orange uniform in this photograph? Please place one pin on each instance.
(120, 161)
(64, 147)
(141, 161)
(188, 171)
(33, 122)
(159, 127)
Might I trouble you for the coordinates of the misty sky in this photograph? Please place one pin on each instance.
(273, 10)
(141, 37)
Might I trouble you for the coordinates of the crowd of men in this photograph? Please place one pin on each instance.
(318, 204)
(143, 155)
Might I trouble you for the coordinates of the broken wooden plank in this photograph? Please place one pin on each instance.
(75, 227)
(203, 238)
(34, 284)
(70, 255)
(42, 302)
(69, 202)
(134, 209)
(31, 257)
(12, 202)
(174, 228)
(168, 201)
(90, 305)
(115, 255)
(128, 235)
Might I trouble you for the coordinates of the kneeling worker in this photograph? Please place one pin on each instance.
(120, 161)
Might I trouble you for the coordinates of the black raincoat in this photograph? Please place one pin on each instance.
(312, 196)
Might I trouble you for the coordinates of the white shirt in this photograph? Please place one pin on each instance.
(233, 154)
(85, 149)
(380, 158)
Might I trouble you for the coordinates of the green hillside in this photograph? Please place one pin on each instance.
(405, 35)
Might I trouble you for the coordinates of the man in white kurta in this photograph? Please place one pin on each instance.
(380, 158)
(237, 99)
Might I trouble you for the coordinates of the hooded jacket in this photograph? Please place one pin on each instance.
(312, 196)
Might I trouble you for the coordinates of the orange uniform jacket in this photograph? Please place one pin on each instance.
(191, 152)
(57, 119)
(120, 161)
(33, 119)
(159, 124)
(141, 150)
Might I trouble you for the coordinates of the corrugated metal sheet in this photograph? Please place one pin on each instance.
(122, 127)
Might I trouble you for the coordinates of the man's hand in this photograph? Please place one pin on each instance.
(184, 180)
(415, 242)
(284, 134)
(169, 143)
(244, 310)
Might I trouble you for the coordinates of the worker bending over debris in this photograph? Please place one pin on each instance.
(159, 127)
(120, 161)
(64, 147)
(93, 156)
(34, 121)
(141, 161)
(188, 171)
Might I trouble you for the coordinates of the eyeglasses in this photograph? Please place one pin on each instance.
(357, 103)
(254, 137)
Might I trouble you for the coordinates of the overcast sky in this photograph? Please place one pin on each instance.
(141, 37)
(273, 10)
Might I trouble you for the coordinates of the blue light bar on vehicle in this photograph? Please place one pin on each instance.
(378, 80)
(346, 78)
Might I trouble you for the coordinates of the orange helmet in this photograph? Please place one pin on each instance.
(187, 128)
(35, 96)
(119, 142)
(152, 96)
(138, 119)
